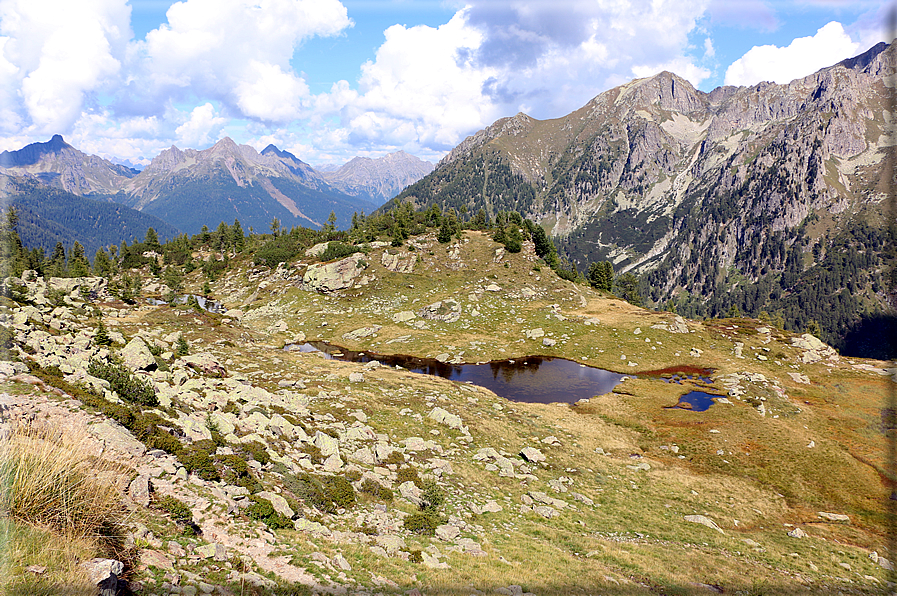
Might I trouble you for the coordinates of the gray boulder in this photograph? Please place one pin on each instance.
(137, 356)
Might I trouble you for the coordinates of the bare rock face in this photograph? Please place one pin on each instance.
(379, 179)
(330, 277)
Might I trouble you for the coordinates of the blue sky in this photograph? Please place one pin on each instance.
(330, 79)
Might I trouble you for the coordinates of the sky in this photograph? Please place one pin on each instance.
(328, 80)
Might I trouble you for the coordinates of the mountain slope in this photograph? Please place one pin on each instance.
(50, 215)
(58, 164)
(229, 181)
(711, 196)
(378, 180)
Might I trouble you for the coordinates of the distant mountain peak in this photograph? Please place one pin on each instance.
(273, 150)
(378, 179)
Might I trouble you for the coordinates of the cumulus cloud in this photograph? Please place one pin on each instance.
(803, 56)
(58, 53)
(432, 86)
(203, 127)
(238, 52)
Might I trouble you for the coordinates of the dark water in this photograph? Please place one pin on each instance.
(696, 401)
(534, 379)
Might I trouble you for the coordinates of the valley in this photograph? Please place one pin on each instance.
(779, 487)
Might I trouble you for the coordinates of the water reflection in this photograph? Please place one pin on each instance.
(534, 379)
(696, 401)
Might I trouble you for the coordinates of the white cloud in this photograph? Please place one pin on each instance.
(203, 127)
(60, 52)
(431, 86)
(238, 51)
(680, 66)
(803, 56)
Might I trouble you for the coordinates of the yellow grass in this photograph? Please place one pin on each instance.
(47, 478)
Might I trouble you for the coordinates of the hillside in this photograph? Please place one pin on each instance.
(267, 470)
(767, 198)
(48, 215)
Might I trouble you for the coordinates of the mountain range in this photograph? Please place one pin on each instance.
(191, 189)
(764, 198)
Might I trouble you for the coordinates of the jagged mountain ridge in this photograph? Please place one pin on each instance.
(59, 165)
(229, 181)
(380, 179)
(191, 188)
(709, 191)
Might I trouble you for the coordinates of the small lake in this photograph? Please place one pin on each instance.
(534, 379)
(696, 401)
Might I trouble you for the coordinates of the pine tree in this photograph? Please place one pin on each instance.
(237, 236)
(79, 266)
(56, 266)
(101, 338)
(445, 231)
(152, 240)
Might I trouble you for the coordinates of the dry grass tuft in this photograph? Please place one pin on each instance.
(48, 479)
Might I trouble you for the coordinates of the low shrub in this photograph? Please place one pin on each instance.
(178, 510)
(376, 490)
(338, 250)
(407, 473)
(262, 510)
(339, 490)
(415, 556)
(422, 523)
(432, 497)
(395, 458)
(257, 451)
(327, 493)
(128, 387)
(314, 452)
(197, 460)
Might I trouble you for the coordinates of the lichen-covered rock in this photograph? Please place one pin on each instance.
(403, 262)
(137, 356)
(330, 277)
(447, 418)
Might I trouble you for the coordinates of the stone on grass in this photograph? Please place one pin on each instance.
(532, 455)
(104, 573)
(390, 543)
(204, 363)
(212, 550)
(447, 532)
(835, 517)
(797, 533)
(333, 463)
(445, 417)
(545, 511)
(704, 521)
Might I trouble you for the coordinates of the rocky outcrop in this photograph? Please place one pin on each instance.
(331, 277)
(447, 311)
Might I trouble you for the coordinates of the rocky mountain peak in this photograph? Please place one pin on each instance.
(33, 153)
